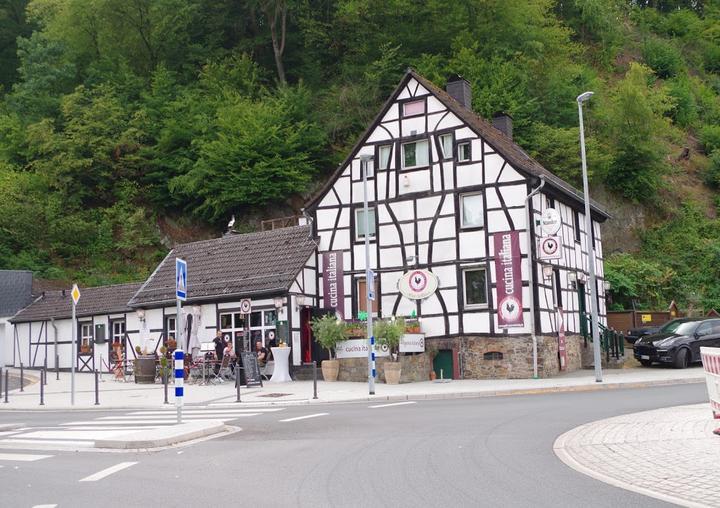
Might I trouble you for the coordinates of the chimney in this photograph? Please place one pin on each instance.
(503, 122)
(459, 89)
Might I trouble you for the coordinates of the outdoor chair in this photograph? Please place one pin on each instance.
(266, 371)
(226, 371)
(216, 376)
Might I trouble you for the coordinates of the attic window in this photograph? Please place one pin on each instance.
(414, 108)
(493, 355)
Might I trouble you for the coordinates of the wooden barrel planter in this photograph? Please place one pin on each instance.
(145, 369)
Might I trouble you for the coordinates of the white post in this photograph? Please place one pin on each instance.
(364, 160)
(73, 353)
(531, 272)
(590, 247)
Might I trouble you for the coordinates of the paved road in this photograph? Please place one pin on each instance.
(471, 452)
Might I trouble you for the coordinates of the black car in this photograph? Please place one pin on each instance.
(678, 342)
(637, 333)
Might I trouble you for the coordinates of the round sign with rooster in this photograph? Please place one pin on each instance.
(418, 284)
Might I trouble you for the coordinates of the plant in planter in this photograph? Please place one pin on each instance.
(328, 331)
(412, 326)
(356, 329)
(431, 350)
(171, 343)
(389, 332)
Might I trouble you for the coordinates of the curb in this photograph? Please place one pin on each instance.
(157, 438)
(393, 398)
(559, 448)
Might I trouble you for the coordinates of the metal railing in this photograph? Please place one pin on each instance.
(612, 343)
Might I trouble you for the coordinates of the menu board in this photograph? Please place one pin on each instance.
(251, 369)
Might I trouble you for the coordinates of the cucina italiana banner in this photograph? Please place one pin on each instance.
(509, 279)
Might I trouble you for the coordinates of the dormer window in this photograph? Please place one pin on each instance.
(415, 154)
(414, 108)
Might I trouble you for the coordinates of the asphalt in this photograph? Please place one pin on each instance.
(465, 452)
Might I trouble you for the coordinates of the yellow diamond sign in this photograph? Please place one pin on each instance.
(75, 293)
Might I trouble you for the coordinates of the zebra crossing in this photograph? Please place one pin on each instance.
(83, 433)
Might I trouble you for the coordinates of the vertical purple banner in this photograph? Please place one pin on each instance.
(333, 287)
(509, 279)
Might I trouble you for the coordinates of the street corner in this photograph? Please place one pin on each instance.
(668, 454)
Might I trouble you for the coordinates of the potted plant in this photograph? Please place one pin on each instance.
(328, 331)
(431, 350)
(171, 343)
(412, 326)
(144, 366)
(85, 347)
(389, 332)
(355, 329)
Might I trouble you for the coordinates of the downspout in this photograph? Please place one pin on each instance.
(531, 274)
(55, 336)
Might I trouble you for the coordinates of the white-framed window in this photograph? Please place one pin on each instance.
(232, 326)
(86, 334)
(475, 290)
(415, 154)
(414, 108)
(463, 151)
(384, 154)
(170, 327)
(446, 144)
(117, 331)
(367, 166)
(262, 322)
(360, 223)
(471, 210)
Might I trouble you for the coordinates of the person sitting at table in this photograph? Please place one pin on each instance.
(228, 351)
(262, 353)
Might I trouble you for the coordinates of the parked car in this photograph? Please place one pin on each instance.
(634, 334)
(678, 342)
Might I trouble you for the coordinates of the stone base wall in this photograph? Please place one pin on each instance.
(414, 368)
(509, 357)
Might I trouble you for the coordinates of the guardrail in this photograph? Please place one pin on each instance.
(612, 343)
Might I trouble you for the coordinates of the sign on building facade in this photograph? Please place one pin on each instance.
(333, 285)
(509, 279)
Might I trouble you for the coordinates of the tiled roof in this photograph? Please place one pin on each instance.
(234, 265)
(504, 145)
(93, 301)
(15, 291)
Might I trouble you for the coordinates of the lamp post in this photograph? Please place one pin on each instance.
(591, 246)
(364, 161)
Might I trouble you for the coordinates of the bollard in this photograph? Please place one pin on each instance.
(165, 385)
(314, 379)
(42, 387)
(22, 378)
(179, 378)
(97, 389)
(7, 383)
(57, 367)
(237, 382)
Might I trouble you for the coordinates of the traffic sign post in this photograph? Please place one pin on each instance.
(180, 296)
(75, 293)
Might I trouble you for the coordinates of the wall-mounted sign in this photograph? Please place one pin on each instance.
(549, 247)
(418, 284)
(550, 222)
(646, 318)
(412, 343)
(245, 306)
(509, 279)
(357, 348)
(333, 282)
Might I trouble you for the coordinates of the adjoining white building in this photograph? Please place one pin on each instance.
(15, 294)
(449, 246)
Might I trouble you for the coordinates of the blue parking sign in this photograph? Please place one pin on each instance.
(180, 279)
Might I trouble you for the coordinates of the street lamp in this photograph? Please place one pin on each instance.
(591, 247)
(369, 277)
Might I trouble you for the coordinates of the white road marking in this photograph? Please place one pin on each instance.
(44, 506)
(46, 442)
(392, 404)
(107, 472)
(22, 457)
(110, 427)
(304, 417)
(79, 435)
(139, 422)
(173, 417)
(209, 411)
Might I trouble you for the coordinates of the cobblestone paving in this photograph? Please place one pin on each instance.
(670, 453)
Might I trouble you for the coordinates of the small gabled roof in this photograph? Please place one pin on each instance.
(500, 142)
(15, 291)
(93, 301)
(236, 265)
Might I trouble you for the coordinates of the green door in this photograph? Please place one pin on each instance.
(443, 361)
(583, 309)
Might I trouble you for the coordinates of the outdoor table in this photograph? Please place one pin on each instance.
(281, 374)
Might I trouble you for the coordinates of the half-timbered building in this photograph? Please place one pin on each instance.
(447, 193)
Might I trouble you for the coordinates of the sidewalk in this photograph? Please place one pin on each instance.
(118, 394)
(669, 454)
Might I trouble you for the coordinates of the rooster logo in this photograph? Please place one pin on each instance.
(510, 309)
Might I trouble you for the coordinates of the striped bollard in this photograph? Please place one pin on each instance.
(179, 378)
(372, 355)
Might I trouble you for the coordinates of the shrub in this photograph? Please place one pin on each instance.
(710, 138)
(662, 57)
(328, 331)
(389, 332)
(711, 173)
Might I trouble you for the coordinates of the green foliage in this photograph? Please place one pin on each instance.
(328, 331)
(662, 57)
(646, 282)
(712, 171)
(389, 332)
(684, 110)
(710, 137)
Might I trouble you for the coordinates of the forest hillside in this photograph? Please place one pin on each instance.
(128, 125)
